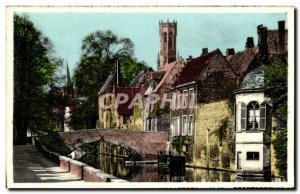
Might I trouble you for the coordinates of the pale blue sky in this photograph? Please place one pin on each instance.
(194, 31)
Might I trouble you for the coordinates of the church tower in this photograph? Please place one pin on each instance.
(168, 33)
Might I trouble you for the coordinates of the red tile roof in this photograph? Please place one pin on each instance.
(165, 81)
(193, 68)
(241, 61)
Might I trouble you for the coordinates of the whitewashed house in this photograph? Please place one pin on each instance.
(252, 126)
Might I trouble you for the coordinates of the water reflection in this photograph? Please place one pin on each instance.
(149, 173)
(111, 159)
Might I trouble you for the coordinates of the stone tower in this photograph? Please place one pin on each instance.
(167, 33)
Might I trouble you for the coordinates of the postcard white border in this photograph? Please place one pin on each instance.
(145, 9)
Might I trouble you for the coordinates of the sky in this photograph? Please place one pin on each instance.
(194, 31)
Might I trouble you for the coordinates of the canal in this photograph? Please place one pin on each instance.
(109, 158)
(150, 173)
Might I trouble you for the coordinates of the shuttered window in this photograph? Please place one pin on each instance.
(263, 115)
(243, 116)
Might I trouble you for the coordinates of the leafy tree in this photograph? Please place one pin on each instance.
(129, 68)
(280, 146)
(275, 85)
(34, 69)
(100, 52)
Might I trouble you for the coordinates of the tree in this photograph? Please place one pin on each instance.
(100, 52)
(280, 147)
(275, 85)
(34, 68)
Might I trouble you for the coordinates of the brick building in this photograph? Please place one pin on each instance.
(206, 78)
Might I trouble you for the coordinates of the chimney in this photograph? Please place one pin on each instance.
(249, 43)
(117, 73)
(262, 40)
(230, 51)
(281, 37)
(190, 58)
(259, 27)
(204, 51)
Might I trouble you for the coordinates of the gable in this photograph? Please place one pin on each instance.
(193, 69)
(218, 64)
(243, 61)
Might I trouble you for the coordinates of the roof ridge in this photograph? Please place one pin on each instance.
(106, 83)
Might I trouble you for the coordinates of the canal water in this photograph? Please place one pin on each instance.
(110, 159)
(150, 173)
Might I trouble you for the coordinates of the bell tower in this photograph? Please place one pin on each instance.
(168, 33)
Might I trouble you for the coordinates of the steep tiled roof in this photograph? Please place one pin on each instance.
(165, 81)
(241, 61)
(157, 75)
(194, 67)
(107, 83)
(137, 78)
(151, 82)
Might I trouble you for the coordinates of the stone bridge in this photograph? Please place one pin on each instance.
(143, 142)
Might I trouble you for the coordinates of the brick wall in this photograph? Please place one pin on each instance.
(64, 163)
(207, 151)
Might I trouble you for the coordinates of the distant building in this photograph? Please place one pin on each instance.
(167, 34)
(119, 117)
(64, 103)
(168, 69)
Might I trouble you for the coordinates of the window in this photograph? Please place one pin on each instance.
(191, 98)
(148, 125)
(253, 115)
(184, 99)
(173, 103)
(263, 115)
(153, 124)
(243, 115)
(191, 125)
(184, 125)
(178, 100)
(174, 129)
(178, 126)
(252, 155)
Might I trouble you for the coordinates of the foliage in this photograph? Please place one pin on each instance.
(178, 142)
(34, 70)
(100, 52)
(280, 148)
(275, 85)
(129, 69)
(84, 117)
(157, 111)
(221, 131)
